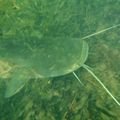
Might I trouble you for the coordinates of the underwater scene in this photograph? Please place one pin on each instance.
(59, 59)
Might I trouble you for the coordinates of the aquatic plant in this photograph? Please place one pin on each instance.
(36, 47)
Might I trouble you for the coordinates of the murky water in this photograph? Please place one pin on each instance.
(31, 97)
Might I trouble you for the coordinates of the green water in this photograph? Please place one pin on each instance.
(62, 97)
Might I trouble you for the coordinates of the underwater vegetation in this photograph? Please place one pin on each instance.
(44, 46)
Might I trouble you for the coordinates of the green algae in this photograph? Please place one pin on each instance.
(62, 97)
